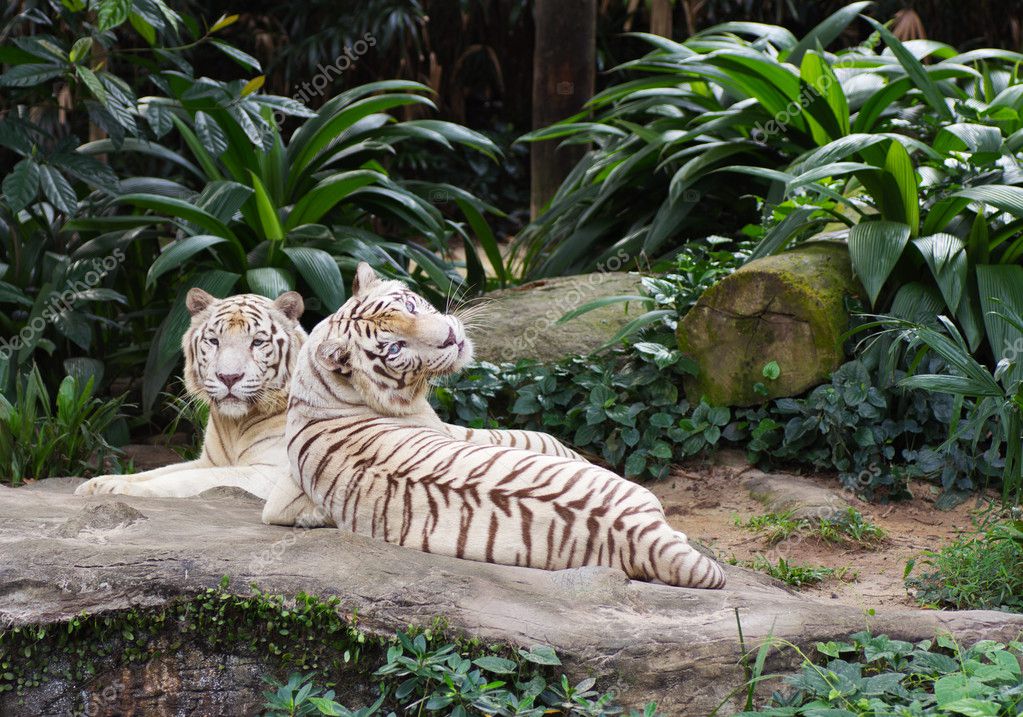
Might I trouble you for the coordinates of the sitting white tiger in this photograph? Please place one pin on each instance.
(365, 445)
(240, 353)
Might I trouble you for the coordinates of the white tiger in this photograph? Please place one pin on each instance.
(240, 353)
(365, 445)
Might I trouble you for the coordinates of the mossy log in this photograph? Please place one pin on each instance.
(789, 308)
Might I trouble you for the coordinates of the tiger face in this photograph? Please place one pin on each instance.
(388, 342)
(240, 351)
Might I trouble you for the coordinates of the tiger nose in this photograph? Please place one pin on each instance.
(450, 341)
(230, 379)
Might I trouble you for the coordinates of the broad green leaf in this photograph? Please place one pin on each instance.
(210, 133)
(242, 58)
(320, 271)
(828, 112)
(946, 257)
(89, 79)
(29, 75)
(270, 282)
(1000, 288)
(826, 32)
(875, 249)
(178, 252)
(112, 13)
(327, 194)
(180, 209)
(914, 70)
(57, 190)
(22, 184)
(900, 167)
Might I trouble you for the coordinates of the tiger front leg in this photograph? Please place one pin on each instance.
(289, 505)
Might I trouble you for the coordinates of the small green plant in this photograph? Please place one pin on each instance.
(194, 413)
(872, 675)
(420, 677)
(792, 574)
(846, 526)
(982, 570)
(41, 438)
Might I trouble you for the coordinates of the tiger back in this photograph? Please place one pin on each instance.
(365, 445)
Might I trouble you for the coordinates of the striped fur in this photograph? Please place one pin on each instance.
(364, 445)
(240, 353)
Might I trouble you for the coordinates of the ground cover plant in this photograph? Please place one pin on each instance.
(873, 675)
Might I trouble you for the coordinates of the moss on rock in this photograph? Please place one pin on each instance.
(788, 308)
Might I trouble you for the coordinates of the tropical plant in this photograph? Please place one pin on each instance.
(993, 401)
(272, 215)
(844, 141)
(42, 436)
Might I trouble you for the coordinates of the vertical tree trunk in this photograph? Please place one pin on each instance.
(564, 68)
(660, 17)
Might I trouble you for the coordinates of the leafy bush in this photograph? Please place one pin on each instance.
(625, 407)
(40, 437)
(425, 678)
(200, 188)
(874, 675)
(982, 570)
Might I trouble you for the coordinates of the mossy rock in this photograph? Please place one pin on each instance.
(788, 308)
(520, 323)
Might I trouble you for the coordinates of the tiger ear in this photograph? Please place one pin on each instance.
(197, 300)
(364, 279)
(333, 355)
(290, 304)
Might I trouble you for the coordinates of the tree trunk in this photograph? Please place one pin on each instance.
(564, 68)
(660, 17)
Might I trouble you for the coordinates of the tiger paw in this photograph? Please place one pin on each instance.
(101, 485)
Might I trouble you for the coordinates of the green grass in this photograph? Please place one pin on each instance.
(980, 570)
(841, 528)
(794, 574)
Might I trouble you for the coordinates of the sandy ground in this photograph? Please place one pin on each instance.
(704, 500)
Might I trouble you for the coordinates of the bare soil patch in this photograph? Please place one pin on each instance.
(706, 499)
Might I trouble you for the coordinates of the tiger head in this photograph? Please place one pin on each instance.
(240, 352)
(388, 342)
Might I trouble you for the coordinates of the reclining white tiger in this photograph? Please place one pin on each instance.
(240, 354)
(364, 444)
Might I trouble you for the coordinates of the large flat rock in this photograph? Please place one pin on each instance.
(60, 555)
